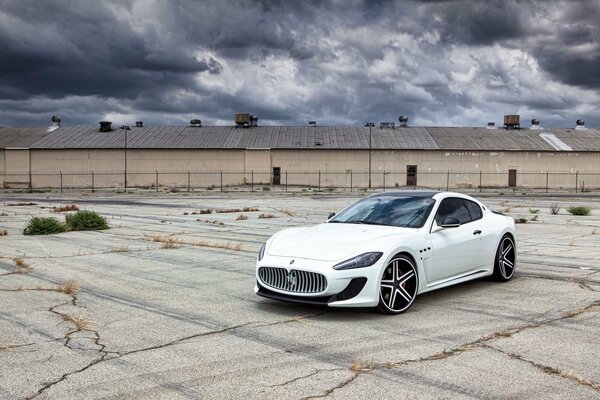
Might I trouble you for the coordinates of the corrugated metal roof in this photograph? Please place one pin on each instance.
(304, 137)
(21, 136)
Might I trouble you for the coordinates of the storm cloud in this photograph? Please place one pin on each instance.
(458, 63)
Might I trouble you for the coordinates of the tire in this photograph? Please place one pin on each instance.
(506, 259)
(398, 285)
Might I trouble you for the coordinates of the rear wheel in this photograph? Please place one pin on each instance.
(506, 259)
(398, 286)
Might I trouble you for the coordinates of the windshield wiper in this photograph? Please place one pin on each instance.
(366, 222)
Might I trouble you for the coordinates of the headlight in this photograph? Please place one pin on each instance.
(261, 252)
(364, 260)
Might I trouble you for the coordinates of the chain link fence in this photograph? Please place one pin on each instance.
(301, 181)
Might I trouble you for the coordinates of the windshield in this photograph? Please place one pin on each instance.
(406, 212)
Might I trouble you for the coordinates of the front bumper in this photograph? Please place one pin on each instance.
(347, 288)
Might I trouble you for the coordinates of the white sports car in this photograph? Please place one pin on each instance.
(387, 248)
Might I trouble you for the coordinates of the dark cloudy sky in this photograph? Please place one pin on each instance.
(457, 63)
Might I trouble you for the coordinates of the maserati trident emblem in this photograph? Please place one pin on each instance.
(292, 279)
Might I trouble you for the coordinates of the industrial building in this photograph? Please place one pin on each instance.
(387, 154)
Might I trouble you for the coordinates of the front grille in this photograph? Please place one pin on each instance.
(292, 281)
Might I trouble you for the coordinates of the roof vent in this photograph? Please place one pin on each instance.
(580, 124)
(535, 124)
(254, 120)
(370, 124)
(55, 120)
(105, 126)
(403, 120)
(242, 120)
(125, 127)
(139, 124)
(512, 121)
(312, 124)
(387, 125)
(491, 125)
(196, 123)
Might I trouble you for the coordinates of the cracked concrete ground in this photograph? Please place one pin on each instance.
(161, 306)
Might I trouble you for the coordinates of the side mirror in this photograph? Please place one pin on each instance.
(450, 222)
(331, 215)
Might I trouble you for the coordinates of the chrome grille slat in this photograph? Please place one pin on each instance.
(304, 282)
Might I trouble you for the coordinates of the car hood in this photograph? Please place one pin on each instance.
(332, 241)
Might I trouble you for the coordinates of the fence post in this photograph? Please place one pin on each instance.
(351, 181)
(189, 186)
(30, 180)
(286, 180)
(125, 181)
(479, 181)
(252, 181)
(319, 180)
(448, 180)
(61, 183)
(221, 180)
(576, 180)
(546, 181)
(93, 183)
(157, 180)
(384, 180)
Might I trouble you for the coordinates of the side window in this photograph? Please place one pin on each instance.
(474, 210)
(454, 208)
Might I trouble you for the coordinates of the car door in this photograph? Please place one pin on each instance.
(455, 250)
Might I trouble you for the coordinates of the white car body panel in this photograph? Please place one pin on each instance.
(442, 257)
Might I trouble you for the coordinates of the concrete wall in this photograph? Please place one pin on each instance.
(337, 168)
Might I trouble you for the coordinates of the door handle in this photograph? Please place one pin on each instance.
(476, 232)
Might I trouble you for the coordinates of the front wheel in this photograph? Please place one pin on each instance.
(399, 285)
(506, 259)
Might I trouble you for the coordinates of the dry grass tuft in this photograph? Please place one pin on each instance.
(81, 322)
(119, 249)
(68, 207)
(241, 217)
(267, 216)
(20, 204)
(250, 209)
(3, 232)
(167, 241)
(21, 265)
(219, 245)
(228, 210)
(596, 231)
(506, 210)
(3, 214)
(362, 366)
(287, 212)
(70, 287)
(534, 218)
(19, 288)
(215, 222)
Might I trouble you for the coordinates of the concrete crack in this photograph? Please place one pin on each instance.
(315, 372)
(106, 355)
(572, 375)
(336, 387)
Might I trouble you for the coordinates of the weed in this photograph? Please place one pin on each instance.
(203, 211)
(70, 287)
(3, 232)
(534, 210)
(250, 209)
(167, 242)
(506, 210)
(86, 221)
(21, 204)
(68, 207)
(554, 208)
(228, 210)
(19, 288)
(81, 322)
(287, 212)
(241, 217)
(215, 222)
(501, 194)
(3, 214)
(266, 188)
(21, 265)
(186, 213)
(534, 218)
(579, 210)
(44, 226)
(119, 249)
(520, 220)
(361, 366)
(218, 245)
(263, 216)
